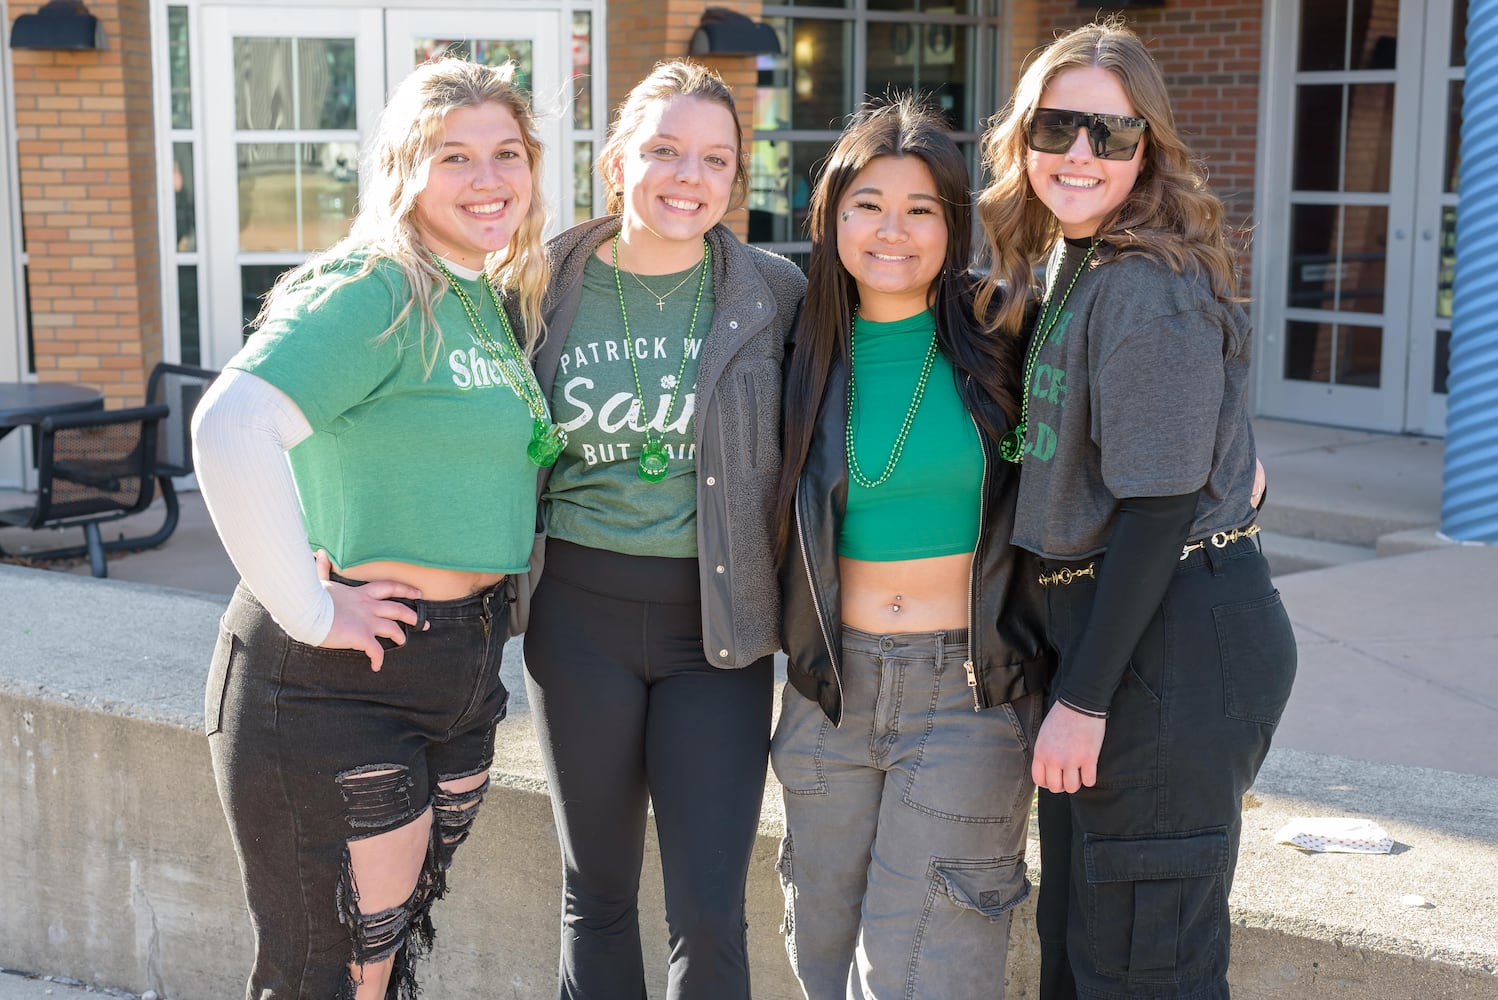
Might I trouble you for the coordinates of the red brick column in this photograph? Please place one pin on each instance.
(642, 33)
(86, 155)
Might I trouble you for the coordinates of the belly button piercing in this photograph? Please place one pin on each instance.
(895, 608)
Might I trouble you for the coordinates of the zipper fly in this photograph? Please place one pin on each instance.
(972, 605)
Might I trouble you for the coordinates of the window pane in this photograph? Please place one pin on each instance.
(1370, 134)
(820, 79)
(1458, 36)
(1443, 361)
(1337, 35)
(1365, 230)
(296, 196)
(1453, 135)
(1359, 356)
(1328, 352)
(781, 177)
(1313, 257)
(182, 186)
(294, 83)
(254, 281)
(819, 3)
(488, 51)
(187, 315)
(582, 182)
(772, 91)
(922, 7)
(1446, 270)
(582, 70)
(179, 62)
(933, 59)
(1318, 147)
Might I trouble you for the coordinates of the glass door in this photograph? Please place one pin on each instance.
(1434, 227)
(295, 90)
(298, 90)
(1359, 200)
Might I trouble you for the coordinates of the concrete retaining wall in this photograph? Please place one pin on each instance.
(118, 869)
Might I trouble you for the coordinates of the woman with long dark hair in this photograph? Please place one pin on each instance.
(914, 655)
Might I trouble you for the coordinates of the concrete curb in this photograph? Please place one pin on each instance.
(121, 872)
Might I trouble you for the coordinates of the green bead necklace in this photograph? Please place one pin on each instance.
(547, 438)
(1012, 444)
(655, 461)
(854, 470)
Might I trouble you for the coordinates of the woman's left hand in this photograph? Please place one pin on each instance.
(1260, 483)
(1066, 750)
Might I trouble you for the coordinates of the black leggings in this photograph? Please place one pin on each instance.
(628, 709)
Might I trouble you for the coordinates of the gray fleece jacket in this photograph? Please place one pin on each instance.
(737, 427)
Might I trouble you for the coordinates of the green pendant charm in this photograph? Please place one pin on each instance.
(654, 462)
(1012, 444)
(547, 442)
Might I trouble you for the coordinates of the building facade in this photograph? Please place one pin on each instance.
(151, 191)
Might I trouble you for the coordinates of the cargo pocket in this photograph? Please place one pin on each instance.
(1156, 907)
(1257, 647)
(218, 680)
(992, 886)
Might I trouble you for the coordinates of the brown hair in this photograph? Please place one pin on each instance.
(394, 168)
(1171, 214)
(677, 78)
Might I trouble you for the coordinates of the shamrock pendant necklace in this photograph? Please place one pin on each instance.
(547, 438)
(655, 461)
(1012, 444)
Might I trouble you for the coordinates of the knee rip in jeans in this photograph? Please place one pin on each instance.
(453, 814)
(378, 796)
(403, 932)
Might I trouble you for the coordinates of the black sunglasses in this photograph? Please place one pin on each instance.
(1112, 137)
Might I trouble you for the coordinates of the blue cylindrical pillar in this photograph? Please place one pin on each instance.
(1469, 497)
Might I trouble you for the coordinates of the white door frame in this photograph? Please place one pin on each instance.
(219, 202)
(1409, 257)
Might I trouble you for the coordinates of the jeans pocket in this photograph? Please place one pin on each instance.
(1257, 647)
(798, 745)
(1156, 907)
(218, 680)
(991, 886)
(974, 767)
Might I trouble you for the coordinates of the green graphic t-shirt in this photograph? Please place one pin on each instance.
(595, 496)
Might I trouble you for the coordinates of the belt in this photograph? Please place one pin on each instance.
(1066, 575)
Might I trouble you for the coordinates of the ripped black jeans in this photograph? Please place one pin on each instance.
(312, 749)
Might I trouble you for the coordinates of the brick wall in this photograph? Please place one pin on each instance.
(86, 156)
(644, 32)
(1209, 51)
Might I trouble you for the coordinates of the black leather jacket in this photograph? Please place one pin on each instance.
(1008, 657)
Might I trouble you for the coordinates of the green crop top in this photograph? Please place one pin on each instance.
(401, 465)
(929, 506)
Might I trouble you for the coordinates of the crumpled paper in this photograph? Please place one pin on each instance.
(1335, 834)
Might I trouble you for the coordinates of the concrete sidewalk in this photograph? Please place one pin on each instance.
(1398, 655)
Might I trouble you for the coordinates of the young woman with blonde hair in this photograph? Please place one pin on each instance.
(1175, 654)
(351, 711)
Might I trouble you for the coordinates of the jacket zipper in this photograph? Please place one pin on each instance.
(816, 603)
(972, 598)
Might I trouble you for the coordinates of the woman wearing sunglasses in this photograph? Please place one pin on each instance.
(1175, 655)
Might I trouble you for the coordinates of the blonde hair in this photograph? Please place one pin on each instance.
(1171, 214)
(677, 78)
(394, 168)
